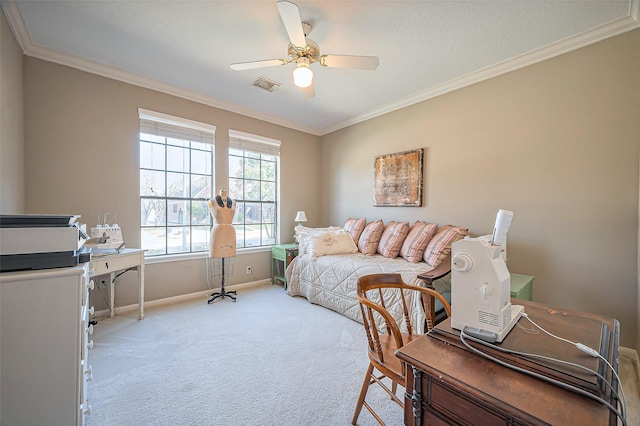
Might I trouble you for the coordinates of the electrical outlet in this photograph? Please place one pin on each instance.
(249, 270)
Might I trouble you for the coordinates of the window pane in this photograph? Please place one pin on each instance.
(200, 238)
(268, 234)
(177, 159)
(152, 212)
(178, 142)
(177, 212)
(152, 183)
(252, 235)
(252, 213)
(251, 168)
(268, 213)
(151, 156)
(152, 138)
(235, 166)
(239, 216)
(268, 171)
(153, 240)
(200, 213)
(240, 241)
(201, 162)
(269, 191)
(202, 146)
(236, 152)
(252, 190)
(178, 239)
(201, 187)
(177, 185)
(236, 189)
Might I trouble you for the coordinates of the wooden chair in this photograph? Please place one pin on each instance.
(382, 296)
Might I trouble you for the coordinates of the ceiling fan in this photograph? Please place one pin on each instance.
(304, 52)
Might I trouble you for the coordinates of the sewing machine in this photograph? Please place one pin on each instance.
(480, 285)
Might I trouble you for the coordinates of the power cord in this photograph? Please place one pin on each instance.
(589, 351)
(619, 414)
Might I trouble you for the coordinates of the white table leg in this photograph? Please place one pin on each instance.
(112, 294)
(141, 287)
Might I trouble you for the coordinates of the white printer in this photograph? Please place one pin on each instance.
(41, 242)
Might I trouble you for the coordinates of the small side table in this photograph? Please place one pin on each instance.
(281, 257)
(521, 286)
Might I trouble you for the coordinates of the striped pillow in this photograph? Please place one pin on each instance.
(440, 245)
(392, 238)
(419, 235)
(370, 237)
(355, 227)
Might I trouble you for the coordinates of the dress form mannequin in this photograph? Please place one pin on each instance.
(222, 241)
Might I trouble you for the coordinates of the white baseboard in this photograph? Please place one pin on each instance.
(181, 298)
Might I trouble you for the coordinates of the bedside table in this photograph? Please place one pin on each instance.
(522, 286)
(281, 257)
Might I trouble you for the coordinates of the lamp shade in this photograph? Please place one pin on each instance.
(301, 216)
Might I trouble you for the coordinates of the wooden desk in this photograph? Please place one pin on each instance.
(113, 263)
(448, 384)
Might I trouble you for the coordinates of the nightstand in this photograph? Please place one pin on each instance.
(281, 257)
(522, 286)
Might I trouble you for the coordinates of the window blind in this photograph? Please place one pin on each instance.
(253, 143)
(159, 124)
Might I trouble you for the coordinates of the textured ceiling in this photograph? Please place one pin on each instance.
(425, 47)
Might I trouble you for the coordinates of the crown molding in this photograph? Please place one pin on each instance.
(613, 28)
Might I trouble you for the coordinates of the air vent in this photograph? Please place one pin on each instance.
(266, 84)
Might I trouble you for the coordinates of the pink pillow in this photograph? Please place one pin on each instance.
(440, 245)
(392, 238)
(355, 227)
(370, 237)
(415, 243)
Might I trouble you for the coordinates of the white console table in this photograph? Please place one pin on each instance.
(112, 263)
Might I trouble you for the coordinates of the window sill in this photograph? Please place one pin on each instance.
(200, 255)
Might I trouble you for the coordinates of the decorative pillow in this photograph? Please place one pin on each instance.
(304, 234)
(370, 237)
(392, 238)
(331, 243)
(440, 245)
(419, 235)
(355, 227)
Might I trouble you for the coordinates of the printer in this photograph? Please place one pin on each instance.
(38, 241)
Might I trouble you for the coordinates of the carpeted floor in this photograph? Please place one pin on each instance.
(268, 359)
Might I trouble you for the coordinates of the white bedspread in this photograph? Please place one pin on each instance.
(331, 280)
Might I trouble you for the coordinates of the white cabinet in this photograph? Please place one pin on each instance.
(44, 342)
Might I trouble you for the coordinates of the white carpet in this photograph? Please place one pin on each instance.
(268, 359)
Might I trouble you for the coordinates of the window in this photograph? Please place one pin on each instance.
(254, 185)
(176, 181)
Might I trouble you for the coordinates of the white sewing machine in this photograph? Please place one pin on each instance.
(481, 285)
(105, 236)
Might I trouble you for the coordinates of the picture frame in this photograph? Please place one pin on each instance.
(397, 179)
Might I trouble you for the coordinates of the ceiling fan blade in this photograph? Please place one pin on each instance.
(348, 61)
(292, 23)
(258, 64)
(309, 92)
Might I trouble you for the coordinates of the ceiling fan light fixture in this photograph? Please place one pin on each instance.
(302, 75)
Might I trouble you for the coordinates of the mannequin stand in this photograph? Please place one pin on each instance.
(222, 293)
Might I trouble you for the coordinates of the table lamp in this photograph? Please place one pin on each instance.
(301, 216)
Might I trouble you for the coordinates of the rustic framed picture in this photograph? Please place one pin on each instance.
(397, 179)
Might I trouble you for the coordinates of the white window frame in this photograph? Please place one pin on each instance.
(165, 125)
(258, 145)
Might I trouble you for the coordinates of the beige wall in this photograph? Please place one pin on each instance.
(555, 142)
(12, 189)
(81, 151)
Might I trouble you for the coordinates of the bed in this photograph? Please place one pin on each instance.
(329, 277)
